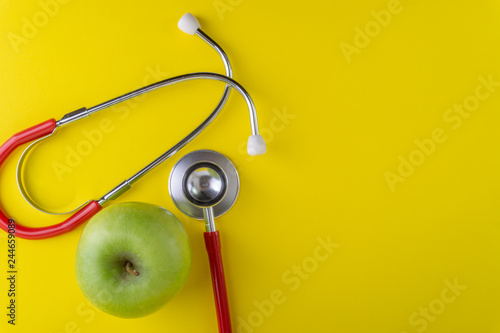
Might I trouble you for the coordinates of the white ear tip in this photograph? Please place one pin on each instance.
(256, 145)
(188, 23)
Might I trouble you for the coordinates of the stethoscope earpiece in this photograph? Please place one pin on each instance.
(188, 24)
(256, 145)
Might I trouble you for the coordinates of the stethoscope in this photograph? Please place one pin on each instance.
(255, 146)
(203, 184)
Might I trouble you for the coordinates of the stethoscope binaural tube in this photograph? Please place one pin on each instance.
(256, 145)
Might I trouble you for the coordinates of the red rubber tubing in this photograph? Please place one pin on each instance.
(212, 242)
(28, 135)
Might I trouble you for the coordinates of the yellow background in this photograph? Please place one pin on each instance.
(324, 177)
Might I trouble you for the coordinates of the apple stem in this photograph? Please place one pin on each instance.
(128, 267)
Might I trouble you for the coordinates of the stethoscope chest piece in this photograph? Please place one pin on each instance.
(203, 178)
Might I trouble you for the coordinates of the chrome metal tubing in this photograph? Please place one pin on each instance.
(72, 116)
(193, 76)
(189, 77)
(121, 188)
(208, 215)
(216, 47)
(115, 193)
(83, 112)
(182, 143)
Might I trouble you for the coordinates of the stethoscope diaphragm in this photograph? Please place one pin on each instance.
(224, 171)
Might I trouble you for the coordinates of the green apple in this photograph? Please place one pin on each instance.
(132, 258)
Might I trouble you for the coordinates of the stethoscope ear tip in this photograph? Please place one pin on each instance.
(188, 23)
(256, 145)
